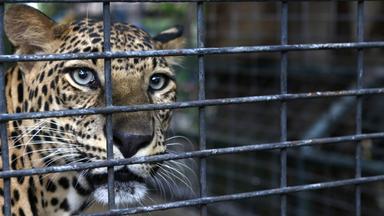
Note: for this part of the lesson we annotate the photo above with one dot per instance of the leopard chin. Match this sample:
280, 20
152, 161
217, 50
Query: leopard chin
125, 192
128, 187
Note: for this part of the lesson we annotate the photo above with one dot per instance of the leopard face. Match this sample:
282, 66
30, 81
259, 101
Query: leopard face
78, 84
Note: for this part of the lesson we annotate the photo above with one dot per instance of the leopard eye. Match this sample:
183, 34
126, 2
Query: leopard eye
83, 76
158, 82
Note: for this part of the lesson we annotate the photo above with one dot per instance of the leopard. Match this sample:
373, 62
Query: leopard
73, 84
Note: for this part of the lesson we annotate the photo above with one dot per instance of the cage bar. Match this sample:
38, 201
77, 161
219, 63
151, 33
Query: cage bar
108, 101
359, 102
283, 106
202, 123
189, 104
191, 154
194, 52
3, 125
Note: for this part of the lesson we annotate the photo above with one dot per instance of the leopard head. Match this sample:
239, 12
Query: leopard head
79, 84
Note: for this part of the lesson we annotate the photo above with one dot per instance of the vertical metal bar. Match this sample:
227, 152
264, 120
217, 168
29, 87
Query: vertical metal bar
202, 126
3, 125
108, 101
283, 107
359, 102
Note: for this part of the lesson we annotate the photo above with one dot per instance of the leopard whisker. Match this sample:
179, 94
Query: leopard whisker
178, 175
47, 142
174, 144
36, 151
23, 134
164, 182
29, 141
160, 181
182, 165
156, 182
59, 158
180, 137
48, 136
50, 129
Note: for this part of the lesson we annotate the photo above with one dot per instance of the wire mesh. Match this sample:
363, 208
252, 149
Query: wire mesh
200, 51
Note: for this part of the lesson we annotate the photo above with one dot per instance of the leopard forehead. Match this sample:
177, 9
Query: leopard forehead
124, 37
87, 36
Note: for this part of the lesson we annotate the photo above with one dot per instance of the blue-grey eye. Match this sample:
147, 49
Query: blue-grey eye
158, 82
83, 76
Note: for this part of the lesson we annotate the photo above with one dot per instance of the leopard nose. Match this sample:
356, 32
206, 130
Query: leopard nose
129, 144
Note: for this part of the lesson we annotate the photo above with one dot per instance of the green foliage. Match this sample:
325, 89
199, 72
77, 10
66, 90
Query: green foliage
174, 9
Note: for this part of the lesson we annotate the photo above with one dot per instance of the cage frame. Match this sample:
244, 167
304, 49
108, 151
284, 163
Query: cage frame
201, 103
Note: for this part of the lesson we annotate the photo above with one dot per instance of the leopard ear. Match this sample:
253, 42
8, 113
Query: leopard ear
171, 39
29, 30
26, 26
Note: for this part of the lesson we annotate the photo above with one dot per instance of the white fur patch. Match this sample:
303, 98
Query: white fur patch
74, 199
125, 193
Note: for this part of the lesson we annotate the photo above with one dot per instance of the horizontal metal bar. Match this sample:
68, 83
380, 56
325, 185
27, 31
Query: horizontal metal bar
189, 104
192, 154
193, 52
247, 195
85, 1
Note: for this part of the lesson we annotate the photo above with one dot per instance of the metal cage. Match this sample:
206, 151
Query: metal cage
200, 52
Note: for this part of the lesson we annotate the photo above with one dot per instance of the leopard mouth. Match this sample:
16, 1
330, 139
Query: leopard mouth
128, 187
122, 175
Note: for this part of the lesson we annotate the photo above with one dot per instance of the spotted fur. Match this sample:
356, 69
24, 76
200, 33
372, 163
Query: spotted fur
51, 85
